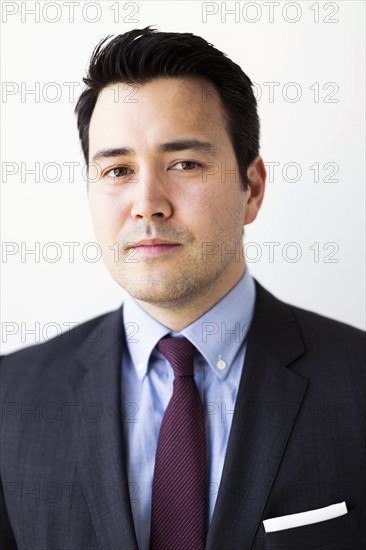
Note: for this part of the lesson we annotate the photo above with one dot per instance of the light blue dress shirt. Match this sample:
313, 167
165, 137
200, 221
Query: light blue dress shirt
147, 385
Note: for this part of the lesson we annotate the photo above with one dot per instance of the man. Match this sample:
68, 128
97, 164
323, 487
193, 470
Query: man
205, 406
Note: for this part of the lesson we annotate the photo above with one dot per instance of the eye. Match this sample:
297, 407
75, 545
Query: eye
186, 165
117, 172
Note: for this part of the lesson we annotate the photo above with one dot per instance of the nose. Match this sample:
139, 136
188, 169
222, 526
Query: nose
150, 200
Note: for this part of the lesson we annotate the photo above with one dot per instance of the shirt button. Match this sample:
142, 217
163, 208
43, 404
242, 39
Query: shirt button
140, 367
221, 364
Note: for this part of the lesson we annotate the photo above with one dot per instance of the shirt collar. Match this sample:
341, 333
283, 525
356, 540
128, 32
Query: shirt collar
218, 335
142, 332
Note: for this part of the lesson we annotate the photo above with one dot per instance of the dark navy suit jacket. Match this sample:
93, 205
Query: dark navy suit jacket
297, 441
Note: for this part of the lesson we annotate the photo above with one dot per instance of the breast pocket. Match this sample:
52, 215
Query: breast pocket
342, 533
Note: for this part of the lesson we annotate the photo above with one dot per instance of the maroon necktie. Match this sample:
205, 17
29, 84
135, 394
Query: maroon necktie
178, 492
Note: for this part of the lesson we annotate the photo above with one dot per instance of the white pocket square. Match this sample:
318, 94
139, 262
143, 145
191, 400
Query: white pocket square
305, 518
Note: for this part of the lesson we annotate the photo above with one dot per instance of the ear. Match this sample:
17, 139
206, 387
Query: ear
256, 174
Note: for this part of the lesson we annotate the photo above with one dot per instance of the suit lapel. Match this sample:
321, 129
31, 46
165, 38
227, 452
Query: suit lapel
269, 398
97, 434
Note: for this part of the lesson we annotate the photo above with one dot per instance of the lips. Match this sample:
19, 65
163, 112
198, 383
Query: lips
153, 247
152, 242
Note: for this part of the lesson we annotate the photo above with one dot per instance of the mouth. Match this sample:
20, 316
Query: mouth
153, 247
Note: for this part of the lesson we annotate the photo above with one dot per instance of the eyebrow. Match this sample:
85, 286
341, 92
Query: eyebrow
169, 147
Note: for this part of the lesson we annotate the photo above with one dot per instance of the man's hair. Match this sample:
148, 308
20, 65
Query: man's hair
140, 55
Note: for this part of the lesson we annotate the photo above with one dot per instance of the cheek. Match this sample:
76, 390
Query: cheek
215, 207
202, 217
223, 215
107, 215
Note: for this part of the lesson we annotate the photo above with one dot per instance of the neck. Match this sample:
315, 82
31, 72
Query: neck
179, 314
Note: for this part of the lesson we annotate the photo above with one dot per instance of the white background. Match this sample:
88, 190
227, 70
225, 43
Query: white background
325, 125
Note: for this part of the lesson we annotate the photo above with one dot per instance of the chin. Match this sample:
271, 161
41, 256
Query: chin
162, 292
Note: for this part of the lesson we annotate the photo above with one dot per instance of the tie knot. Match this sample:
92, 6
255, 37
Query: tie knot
179, 352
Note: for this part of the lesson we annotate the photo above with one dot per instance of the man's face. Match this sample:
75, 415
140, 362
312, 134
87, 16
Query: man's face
173, 185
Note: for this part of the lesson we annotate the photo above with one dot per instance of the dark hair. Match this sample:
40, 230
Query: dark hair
138, 56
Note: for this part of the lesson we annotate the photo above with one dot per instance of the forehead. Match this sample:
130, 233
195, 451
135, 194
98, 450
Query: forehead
162, 107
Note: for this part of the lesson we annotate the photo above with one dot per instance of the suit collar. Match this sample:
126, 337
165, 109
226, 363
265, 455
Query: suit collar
98, 337
274, 326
